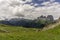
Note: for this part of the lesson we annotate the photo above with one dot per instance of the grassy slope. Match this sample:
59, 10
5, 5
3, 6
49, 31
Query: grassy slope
20, 33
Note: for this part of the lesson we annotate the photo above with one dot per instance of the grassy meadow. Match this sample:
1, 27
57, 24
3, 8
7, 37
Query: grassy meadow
21, 33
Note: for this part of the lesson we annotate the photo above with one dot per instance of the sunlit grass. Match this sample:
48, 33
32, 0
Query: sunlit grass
21, 33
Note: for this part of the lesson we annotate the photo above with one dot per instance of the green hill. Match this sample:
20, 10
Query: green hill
20, 33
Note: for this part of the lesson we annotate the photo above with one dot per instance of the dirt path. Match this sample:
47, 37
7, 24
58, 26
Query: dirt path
51, 26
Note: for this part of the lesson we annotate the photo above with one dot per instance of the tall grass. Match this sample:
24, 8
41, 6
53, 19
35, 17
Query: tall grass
20, 33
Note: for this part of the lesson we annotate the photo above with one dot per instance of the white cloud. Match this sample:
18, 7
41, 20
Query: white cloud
9, 8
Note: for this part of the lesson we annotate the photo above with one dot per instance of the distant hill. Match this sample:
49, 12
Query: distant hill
52, 26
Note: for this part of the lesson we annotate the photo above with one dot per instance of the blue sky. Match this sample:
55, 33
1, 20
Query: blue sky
57, 0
